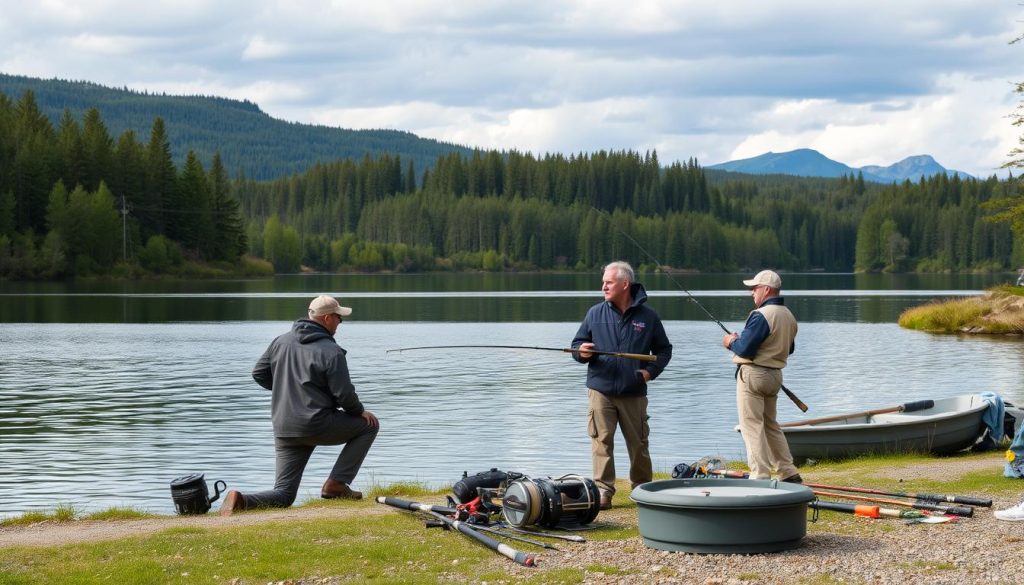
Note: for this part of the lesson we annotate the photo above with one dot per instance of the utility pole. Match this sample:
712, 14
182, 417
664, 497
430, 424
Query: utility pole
124, 229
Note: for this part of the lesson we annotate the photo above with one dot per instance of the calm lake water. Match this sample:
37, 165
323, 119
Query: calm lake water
110, 390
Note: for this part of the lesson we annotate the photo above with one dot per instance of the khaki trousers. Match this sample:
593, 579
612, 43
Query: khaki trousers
757, 394
629, 412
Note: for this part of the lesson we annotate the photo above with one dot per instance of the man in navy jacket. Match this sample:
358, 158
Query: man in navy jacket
617, 387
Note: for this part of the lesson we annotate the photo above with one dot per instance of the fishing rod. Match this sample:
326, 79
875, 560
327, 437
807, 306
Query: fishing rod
870, 511
498, 532
965, 511
631, 356
525, 559
967, 500
925, 501
569, 537
799, 403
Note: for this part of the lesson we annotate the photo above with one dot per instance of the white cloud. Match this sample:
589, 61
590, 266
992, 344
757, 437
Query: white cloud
261, 48
868, 83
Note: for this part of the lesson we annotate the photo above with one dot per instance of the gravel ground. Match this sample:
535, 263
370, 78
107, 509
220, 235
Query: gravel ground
839, 548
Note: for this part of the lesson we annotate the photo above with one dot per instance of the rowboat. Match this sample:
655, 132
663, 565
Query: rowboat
947, 426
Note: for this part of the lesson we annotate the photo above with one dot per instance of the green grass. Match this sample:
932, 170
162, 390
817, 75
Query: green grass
997, 312
391, 546
62, 513
117, 513
943, 316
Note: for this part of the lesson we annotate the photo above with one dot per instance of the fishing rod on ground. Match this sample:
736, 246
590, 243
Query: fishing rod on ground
964, 511
928, 498
525, 559
799, 403
951, 499
920, 505
631, 356
864, 511
499, 532
568, 537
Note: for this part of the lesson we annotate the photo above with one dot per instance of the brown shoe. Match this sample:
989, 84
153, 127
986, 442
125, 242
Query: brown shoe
335, 489
606, 500
234, 501
794, 479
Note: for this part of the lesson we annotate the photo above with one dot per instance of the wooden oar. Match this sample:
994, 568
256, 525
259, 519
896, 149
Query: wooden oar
965, 511
632, 356
908, 407
967, 500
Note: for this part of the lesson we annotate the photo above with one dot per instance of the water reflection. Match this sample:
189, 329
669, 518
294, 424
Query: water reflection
97, 415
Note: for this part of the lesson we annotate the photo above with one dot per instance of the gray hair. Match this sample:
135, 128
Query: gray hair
622, 269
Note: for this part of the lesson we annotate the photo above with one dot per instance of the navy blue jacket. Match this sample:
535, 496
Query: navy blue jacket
639, 330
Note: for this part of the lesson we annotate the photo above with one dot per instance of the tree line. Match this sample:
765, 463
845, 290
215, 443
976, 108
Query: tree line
73, 201
495, 211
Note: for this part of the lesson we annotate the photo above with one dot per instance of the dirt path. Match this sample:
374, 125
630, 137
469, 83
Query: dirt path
50, 533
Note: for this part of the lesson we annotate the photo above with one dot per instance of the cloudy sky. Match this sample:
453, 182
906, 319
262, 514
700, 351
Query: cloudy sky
867, 82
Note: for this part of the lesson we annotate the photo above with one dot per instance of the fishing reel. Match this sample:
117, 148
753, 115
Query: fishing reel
703, 467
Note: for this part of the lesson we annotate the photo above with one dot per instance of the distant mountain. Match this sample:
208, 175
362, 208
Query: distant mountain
806, 162
249, 140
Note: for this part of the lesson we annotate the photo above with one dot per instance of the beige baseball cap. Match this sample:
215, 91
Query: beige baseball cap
325, 305
765, 278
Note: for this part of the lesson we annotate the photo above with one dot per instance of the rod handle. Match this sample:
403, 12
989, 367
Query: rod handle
966, 500
964, 511
799, 403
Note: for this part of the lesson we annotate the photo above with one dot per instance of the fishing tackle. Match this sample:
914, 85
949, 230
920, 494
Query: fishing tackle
632, 356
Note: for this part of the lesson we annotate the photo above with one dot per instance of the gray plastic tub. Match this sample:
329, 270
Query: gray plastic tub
722, 515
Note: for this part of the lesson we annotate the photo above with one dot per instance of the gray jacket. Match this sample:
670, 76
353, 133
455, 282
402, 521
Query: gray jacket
307, 374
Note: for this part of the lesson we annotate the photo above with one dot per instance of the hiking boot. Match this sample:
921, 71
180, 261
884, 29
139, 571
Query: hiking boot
606, 500
335, 489
1014, 514
234, 501
794, 479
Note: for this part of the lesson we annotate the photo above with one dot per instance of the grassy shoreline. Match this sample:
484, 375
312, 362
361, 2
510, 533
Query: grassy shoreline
1000, 311
338, 542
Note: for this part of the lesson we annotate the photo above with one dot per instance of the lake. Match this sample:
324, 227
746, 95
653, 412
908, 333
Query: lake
109, 390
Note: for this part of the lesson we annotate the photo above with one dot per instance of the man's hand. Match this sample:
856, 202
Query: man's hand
728, 339
583, 350
370, 418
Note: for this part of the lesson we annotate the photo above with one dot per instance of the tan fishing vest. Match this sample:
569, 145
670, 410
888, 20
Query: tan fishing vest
774, 350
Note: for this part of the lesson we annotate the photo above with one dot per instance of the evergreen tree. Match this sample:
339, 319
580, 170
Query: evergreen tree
228, 229
160, 186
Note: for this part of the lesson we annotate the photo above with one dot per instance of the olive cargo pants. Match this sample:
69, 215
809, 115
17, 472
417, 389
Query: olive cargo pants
629, 412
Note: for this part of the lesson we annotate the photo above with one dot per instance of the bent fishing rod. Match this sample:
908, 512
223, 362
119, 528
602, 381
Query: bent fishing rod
799, 403
631, 356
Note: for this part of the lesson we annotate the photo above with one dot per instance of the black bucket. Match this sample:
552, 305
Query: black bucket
191, 496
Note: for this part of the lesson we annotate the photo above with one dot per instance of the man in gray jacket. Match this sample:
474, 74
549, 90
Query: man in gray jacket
313, 402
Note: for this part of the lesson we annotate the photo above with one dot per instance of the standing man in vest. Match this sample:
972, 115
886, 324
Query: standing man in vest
762, 349
617, 387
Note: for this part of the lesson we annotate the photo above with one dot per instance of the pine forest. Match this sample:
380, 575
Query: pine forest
76, 201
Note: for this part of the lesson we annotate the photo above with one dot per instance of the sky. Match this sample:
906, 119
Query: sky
869, 82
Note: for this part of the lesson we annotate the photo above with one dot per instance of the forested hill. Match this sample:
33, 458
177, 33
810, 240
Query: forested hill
248, 140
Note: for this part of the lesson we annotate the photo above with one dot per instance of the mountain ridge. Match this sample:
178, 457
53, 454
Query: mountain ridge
807, 162
249, 140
